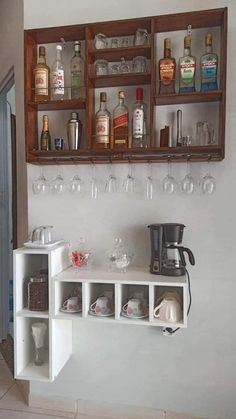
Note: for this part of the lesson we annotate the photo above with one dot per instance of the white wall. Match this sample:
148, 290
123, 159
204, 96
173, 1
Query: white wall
12, 58
195, 370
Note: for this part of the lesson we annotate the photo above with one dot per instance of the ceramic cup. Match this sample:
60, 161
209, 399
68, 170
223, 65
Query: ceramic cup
102, 306
169, 310
71, 304
134, 308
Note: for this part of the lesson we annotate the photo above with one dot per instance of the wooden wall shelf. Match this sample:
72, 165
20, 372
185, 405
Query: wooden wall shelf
156, 26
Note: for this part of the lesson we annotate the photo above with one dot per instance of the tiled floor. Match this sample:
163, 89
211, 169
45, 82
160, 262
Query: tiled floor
13, 406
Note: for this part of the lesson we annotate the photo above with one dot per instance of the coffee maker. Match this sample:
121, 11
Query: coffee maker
167, 254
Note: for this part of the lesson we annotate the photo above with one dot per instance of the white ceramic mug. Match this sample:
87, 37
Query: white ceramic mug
134, 308
169, 294
169, 310
102, 306
71, 304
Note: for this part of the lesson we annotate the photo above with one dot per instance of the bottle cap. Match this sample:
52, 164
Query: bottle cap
45, 117
208, 39
77, 45
187, 41
139, 93
42, 51
103, 97
167, 43
74, 115
59, 48
121, 94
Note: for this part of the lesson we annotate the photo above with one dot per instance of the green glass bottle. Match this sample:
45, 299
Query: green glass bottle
187, 68
45, 139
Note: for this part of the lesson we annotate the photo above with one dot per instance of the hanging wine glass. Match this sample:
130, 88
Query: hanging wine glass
129, 182
149, 183
40, 185
169, 184
188, 184
76, 185
94, 183
58, 185
208, 182
111, 185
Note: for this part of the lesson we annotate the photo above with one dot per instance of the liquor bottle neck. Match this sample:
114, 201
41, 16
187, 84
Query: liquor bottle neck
58, 55
103, 106
121, 101
45, 126
208, 49
41, 60
187, 51
167, 53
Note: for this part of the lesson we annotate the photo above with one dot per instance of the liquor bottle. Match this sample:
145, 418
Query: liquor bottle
102, 124
167, 67
209, 65
41, 74
58, 76
121, 123
77, 74
187, 68
139, 117
45, 139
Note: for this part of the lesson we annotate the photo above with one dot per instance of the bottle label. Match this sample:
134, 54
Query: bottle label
167, 73
76, 79
58, 82
209, 68
102, 129
121, 120
41, 82
138, 123
187, 70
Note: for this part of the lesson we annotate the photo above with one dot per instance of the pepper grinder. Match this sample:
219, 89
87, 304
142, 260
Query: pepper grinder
74, 131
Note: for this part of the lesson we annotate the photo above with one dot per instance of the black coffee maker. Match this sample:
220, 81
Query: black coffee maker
167, 254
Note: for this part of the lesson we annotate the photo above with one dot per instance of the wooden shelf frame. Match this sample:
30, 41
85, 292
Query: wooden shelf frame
121, 28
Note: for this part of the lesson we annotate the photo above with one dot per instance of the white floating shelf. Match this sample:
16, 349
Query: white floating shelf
132, 276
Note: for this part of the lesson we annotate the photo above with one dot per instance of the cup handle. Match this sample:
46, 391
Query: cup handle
64, 305
92, 307
124, 308
155, 311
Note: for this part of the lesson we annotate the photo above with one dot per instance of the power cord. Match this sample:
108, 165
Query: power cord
169, 329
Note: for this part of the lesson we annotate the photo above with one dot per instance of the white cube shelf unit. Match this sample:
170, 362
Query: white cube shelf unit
97, 281
28, 262
64, 279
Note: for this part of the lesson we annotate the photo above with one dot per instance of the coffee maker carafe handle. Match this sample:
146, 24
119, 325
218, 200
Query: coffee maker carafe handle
190, 255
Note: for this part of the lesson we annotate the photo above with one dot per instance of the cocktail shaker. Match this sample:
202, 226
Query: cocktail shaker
74, 131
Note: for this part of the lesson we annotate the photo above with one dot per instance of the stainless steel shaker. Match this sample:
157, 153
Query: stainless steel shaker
74, 131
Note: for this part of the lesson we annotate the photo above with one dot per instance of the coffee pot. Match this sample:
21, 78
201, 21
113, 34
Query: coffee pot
167, 253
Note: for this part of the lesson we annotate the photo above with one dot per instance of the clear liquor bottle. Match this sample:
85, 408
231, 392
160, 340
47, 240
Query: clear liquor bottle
102, 124
41, 74
139, 119
58, 76
167, 67
187, 68
121, 123
77, 73
209, 66
45, 138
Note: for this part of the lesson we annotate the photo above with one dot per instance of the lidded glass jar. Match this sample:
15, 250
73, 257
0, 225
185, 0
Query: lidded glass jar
80, 255
119, 257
